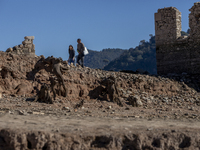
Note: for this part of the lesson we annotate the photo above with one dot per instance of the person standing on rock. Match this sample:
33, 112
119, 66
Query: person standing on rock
71, 55
80, 49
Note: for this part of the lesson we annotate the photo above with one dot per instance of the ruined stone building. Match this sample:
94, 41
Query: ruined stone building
27, 47
176, 53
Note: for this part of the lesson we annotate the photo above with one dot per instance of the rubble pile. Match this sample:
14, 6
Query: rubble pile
25, 75
27, 47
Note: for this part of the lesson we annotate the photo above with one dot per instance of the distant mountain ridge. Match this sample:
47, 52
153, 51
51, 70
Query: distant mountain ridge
99, 59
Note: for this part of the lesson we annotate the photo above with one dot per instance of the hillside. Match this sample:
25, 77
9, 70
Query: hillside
141, 57
98, 59
155, 112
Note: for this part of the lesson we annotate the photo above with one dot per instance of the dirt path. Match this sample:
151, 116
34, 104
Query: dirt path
87, 124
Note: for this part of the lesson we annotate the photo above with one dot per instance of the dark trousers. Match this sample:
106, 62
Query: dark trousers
80, 58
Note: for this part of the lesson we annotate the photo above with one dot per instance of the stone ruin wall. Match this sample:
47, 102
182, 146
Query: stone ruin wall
27, 47
176, 53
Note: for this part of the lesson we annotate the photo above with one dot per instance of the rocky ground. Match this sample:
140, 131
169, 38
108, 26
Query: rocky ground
166, 114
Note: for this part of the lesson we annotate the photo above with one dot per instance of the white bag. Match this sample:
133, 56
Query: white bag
86, 51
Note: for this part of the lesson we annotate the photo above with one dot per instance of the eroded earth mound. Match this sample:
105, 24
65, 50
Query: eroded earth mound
102, 109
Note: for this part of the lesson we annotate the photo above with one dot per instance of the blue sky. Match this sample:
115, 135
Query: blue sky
99, 23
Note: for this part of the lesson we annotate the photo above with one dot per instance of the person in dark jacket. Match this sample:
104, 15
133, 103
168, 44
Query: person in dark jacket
80, 49
71, 55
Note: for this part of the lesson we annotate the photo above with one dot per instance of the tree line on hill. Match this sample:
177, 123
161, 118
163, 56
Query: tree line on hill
141, 57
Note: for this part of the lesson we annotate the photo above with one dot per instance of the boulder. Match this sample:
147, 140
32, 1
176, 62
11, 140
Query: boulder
135, 101
9, 49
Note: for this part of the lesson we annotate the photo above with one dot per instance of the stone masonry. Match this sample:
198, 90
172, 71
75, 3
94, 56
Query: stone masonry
27, 47
167, 25
176, 53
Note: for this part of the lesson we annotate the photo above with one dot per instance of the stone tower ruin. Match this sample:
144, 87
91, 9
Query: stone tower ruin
27, 47
176, 53
167, 25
